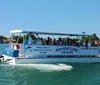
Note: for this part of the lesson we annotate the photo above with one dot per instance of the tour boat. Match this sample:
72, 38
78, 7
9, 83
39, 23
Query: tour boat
49, 47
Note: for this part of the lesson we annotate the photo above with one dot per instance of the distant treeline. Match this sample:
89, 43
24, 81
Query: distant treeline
3, 38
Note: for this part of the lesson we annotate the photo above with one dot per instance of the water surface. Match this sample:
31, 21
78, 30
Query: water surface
49, 74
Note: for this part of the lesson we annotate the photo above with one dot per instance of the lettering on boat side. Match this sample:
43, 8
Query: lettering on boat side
42, 49
66, 49
69, 52
61, 50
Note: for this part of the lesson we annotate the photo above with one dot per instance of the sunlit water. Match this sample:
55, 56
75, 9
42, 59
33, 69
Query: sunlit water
49, 74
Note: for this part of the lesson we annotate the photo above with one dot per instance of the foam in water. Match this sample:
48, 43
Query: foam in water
48, 67
45, 67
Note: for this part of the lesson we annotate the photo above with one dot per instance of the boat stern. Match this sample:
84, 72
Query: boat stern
9, 55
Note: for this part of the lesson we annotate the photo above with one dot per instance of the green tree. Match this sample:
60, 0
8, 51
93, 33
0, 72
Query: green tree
2, 38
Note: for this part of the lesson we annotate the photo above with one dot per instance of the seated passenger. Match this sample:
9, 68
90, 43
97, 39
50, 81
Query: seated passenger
26, 40
38, 42
89, 44
59, 41
48, 41
54, 42
30, 41
84, 44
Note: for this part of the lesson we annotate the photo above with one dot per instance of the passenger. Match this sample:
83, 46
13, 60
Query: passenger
78, 43
63, 42
44, 41
10, 40
48, 41
18, 46
11, 43
89, 44
38, 42
59, 41
69, 42
73, 42
84, 44
30, 41
26, 41
54, 42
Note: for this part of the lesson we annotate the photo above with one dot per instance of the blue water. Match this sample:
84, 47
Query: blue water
49, 74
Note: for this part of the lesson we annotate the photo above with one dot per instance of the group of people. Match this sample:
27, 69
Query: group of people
66, 41
32, 39
59, 41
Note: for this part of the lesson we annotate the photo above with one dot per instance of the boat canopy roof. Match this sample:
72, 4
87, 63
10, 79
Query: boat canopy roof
47, 33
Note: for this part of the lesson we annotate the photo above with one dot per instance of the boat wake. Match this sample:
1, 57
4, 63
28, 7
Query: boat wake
46, 67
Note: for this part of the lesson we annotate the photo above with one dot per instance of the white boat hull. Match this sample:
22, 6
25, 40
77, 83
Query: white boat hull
58, 60
11, 60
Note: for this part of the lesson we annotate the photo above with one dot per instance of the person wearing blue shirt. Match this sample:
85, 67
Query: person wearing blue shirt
26, 41
30, 40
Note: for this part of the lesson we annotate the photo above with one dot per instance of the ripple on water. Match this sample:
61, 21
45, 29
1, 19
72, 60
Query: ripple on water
16, 75
9, 75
